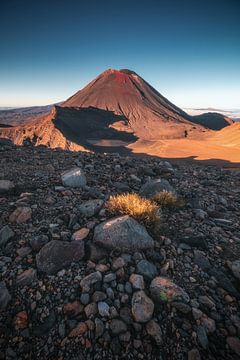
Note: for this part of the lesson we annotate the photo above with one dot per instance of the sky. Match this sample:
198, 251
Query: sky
188, 50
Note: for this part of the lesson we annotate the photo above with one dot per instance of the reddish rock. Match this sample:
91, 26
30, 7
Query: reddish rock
73, 308
21, 320
80, 234
21, 215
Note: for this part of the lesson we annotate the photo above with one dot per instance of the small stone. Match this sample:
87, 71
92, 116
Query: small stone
182, 307
118, 263
202, 337
236, 268
234, 344
99, 296
197, 314
194, 355
27, 277
80, 234
90, 208
146, 269
21, 215
85, 298
154, 330
137, 281
91, 310
142, 307
6, 234
103, 309
208, 323
6, 186
79, 330
5, 297
38, 242
74, 178
89, 280
126, 315
206, 301
152, 187
21, 320
164, 290
99, 328
118, 326
73, 309
109, 277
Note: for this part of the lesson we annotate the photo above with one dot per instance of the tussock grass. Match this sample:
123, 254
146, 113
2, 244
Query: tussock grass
166, 199
141, 209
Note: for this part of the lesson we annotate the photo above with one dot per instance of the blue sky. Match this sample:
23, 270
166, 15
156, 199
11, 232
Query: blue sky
188, 50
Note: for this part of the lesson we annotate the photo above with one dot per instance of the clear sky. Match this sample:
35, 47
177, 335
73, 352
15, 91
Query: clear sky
188, 50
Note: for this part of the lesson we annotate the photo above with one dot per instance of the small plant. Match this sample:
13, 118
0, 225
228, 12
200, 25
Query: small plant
166, 199
141, 209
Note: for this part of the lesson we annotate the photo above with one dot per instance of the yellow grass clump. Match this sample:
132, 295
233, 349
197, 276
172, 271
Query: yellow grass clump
166, 199
139, 208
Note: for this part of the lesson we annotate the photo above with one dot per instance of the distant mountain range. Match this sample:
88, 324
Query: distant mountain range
233, 114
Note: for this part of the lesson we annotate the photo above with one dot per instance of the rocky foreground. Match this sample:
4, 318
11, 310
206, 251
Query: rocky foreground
78, 284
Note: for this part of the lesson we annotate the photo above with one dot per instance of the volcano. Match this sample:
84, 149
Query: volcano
148, 114
119, 111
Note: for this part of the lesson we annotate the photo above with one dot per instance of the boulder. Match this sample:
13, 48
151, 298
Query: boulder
152, 187
90, 280
122, 233
142, 307
6, 234
74, 178
56, 255
91, 207
164, 290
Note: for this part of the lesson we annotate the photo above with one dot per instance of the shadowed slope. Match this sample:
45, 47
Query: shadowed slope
212, 120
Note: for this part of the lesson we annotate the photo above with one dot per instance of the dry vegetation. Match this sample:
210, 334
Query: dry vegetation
166, 199
139, 208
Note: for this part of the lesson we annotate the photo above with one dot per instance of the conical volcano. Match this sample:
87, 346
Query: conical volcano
147, 113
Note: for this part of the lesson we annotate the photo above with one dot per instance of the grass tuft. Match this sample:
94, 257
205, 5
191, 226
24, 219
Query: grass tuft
166, 199
141, 209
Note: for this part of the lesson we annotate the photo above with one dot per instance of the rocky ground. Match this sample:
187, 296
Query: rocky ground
76, 284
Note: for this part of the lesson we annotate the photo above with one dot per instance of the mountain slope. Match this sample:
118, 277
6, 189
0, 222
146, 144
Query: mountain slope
212, 120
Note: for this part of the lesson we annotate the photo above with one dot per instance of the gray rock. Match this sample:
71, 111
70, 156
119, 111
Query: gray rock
91, 207
235, 267
154, 330
103, 309
234, 344
6, 186
122, 233
85, 298
202, 337
142, 307
195, 241
194, 354
99, 328
98, 296
118, 326
5, 297
182, 307
56, 255
146, 269
137, 281
6, 234
201, 260
26, 277
38, 242
74, 178
153, 187
89, 280
164, 290
109, 277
